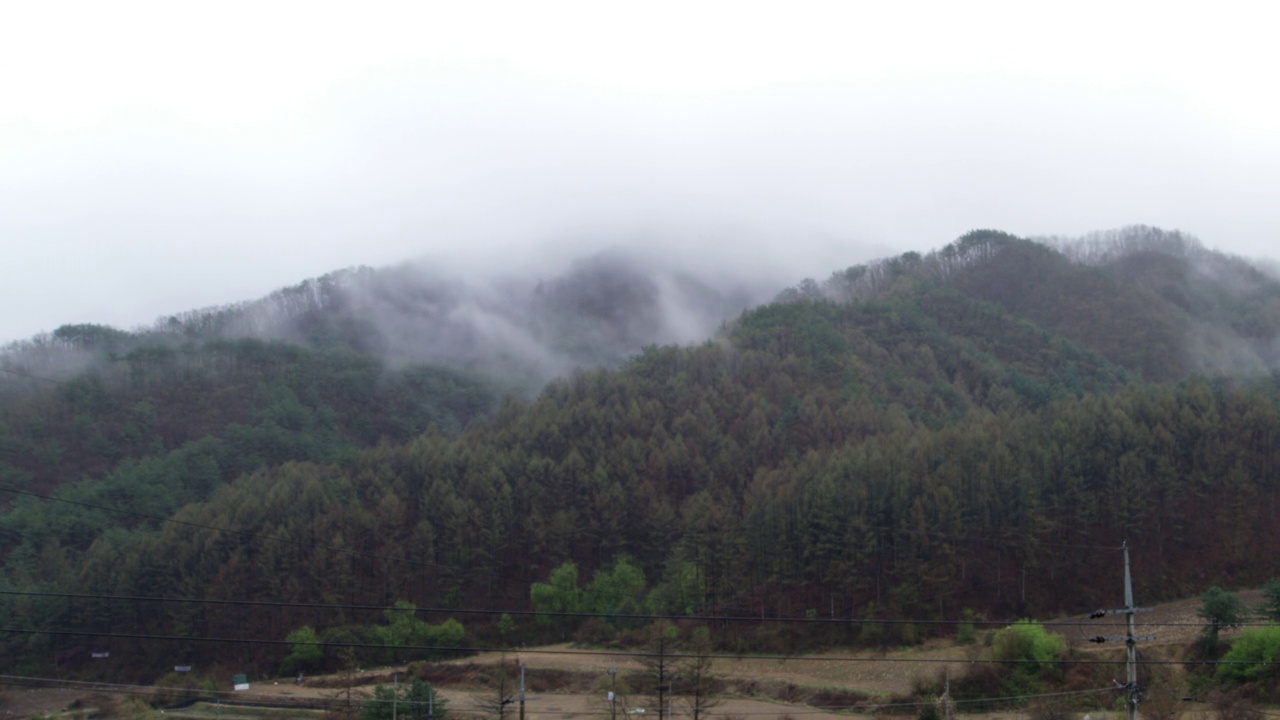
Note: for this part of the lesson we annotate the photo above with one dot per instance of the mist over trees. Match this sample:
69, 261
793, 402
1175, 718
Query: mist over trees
520, 331
910, 438
1156, 302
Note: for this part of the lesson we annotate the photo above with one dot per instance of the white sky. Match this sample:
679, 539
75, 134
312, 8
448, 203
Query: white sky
157, 157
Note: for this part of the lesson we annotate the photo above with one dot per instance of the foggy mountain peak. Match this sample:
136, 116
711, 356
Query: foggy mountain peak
596, 312
1155, 301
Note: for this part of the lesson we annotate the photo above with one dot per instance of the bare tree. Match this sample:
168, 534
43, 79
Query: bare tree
659, 663
613, 692
503, 695
347, 698
699, 684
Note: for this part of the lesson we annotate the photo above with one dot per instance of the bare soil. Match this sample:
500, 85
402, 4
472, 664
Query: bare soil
573, 682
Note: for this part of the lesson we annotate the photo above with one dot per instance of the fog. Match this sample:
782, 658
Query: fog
154, 161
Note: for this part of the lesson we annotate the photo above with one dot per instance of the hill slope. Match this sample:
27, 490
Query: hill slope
948, 433
1157, 303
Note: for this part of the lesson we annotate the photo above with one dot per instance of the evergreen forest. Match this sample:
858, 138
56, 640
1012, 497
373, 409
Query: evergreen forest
970, 432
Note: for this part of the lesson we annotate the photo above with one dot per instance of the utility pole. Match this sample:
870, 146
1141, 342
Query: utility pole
1131, 691
521, 691
1131, 678
613, 687
947, 705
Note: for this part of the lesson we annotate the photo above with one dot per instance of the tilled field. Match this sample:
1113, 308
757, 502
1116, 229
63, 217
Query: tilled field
569, 683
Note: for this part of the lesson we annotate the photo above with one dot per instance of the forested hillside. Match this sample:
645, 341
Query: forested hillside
226, 407
1155, 302
518, 331
909, 439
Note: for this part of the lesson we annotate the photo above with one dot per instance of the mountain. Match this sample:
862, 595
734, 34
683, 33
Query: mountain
1155, 302
334, 363
972, 428
518, 331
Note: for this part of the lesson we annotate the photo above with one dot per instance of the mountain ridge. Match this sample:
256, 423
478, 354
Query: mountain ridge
921, 448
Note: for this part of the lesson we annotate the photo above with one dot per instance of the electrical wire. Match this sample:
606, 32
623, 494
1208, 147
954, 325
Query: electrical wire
599, 653
245, 697
1233, 707
237, 697
588, 614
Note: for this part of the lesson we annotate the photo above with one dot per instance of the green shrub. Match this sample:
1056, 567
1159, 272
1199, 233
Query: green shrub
1033, 653
305, 652
1253, 656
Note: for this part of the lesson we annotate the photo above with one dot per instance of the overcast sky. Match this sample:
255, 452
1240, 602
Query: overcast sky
158, 157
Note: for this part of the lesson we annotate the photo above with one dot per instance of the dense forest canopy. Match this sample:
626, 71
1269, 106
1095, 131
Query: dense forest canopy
917, 437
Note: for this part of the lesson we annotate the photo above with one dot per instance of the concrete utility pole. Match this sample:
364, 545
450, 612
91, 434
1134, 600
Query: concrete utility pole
1131, 691
1131, 679
947, 705
613, 687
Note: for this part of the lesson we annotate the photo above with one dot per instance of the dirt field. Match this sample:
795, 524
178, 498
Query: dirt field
755, 682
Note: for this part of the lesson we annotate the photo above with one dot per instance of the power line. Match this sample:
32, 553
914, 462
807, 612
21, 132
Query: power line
236, 697
30, 681
601, 653
248, 698
574, 614
870, 706
1220, 703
